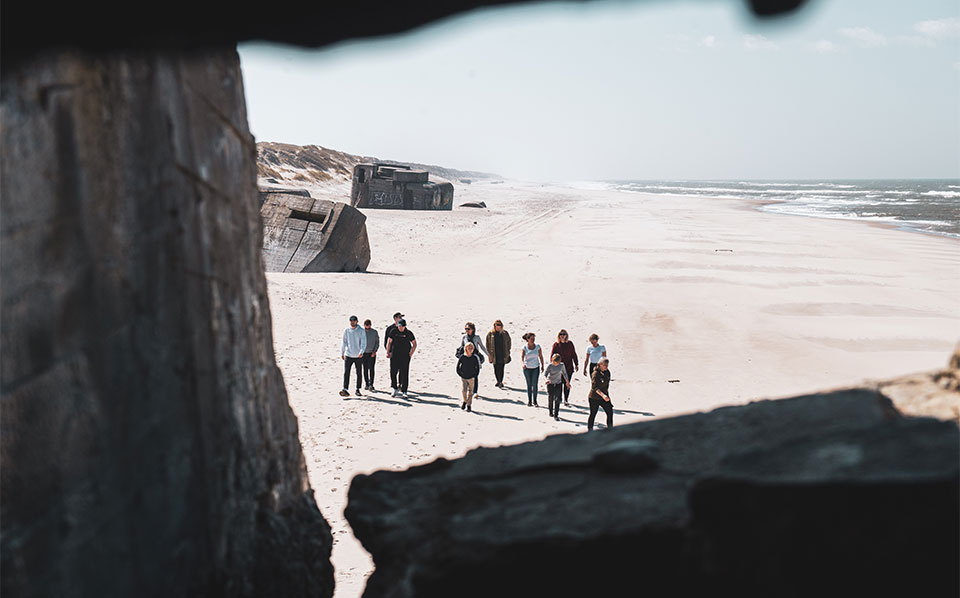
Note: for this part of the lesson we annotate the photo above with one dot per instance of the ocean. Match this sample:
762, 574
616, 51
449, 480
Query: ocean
927, 205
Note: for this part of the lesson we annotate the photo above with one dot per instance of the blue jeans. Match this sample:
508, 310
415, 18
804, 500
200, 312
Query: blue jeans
532, 375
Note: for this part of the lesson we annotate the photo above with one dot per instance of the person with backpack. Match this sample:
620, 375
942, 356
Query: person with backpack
468, 367
470, 336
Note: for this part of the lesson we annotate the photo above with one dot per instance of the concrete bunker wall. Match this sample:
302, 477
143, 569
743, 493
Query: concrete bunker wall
148, 448
398, 187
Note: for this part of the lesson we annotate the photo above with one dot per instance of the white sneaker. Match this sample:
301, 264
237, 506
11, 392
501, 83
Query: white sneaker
476, 397
404, 395
396, 392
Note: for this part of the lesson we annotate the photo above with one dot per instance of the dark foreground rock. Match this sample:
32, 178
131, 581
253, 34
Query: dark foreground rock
820, 495
147, 445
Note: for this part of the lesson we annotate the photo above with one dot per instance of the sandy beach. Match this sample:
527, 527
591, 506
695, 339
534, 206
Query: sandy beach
700, 303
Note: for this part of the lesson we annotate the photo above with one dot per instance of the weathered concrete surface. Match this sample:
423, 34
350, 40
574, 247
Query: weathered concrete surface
263, 194
147, 446
790, 497
302, 234
397, 187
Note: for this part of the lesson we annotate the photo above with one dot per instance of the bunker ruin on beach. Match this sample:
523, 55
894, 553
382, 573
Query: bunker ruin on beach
303, 234
398, 187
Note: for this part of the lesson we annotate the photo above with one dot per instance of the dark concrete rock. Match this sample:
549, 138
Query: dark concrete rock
629, 509
873, 511
473, 204
147, 445
630, 455
302, 234
107, 24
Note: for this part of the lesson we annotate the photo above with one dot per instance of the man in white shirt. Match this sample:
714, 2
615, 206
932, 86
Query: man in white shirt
351, 352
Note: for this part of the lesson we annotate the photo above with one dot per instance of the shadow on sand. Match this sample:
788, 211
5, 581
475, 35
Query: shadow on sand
378, 399
455, 403
586, 409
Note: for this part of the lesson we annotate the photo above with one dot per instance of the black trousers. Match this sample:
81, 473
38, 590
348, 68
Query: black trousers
596, 404
369, 365
593, 366
498, 372
553, 397
566, 391
347, 363
400, 371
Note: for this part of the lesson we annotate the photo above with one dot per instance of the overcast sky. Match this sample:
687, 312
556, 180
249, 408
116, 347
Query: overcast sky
653, 89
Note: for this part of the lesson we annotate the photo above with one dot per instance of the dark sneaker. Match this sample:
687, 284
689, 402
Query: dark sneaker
358, 392
464, 406
468, 409
344, 393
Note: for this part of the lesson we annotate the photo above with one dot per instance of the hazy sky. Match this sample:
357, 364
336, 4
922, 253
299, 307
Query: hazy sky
635, 90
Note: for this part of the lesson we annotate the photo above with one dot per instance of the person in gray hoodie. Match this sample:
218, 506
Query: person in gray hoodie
556, 376
351, 352
370, 354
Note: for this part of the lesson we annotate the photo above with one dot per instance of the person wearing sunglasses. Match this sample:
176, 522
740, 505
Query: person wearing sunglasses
568, 354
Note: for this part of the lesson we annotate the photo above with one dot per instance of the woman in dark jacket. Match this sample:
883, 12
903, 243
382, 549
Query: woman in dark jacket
468, 366
498, 350
600, 393
568, 354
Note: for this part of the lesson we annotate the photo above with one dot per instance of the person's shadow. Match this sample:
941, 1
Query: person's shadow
455, 404
377, 399
586, 408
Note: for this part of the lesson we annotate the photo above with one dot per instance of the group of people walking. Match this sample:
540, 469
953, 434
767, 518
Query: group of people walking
359, 351
558, 375
360, 346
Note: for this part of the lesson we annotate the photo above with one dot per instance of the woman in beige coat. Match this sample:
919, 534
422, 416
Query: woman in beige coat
498, 350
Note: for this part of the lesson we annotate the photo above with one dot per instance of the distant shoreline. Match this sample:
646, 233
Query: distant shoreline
927, 216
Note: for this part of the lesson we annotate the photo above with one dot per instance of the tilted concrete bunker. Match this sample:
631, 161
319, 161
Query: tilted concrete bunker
398, 187
303, 234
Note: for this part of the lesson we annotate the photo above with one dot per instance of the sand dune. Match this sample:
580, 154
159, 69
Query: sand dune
733, 303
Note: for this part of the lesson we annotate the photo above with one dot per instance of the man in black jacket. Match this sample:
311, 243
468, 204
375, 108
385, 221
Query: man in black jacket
400, 348
386, 337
